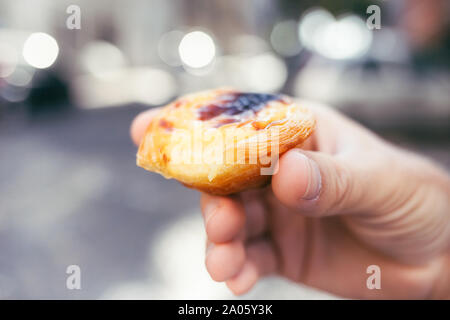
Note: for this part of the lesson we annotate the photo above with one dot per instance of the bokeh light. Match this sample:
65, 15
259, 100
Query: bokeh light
15, 94
265, 72
197, 49
21, 77
8, 59
40, 50
346, 38
153, 86
101, 57
168, 47
243, 44
284, 38
311, 24
147, 85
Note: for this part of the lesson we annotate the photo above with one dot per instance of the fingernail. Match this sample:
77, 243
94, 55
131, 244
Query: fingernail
314, 179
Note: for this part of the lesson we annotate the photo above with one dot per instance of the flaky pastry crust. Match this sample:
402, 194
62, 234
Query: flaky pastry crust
223, 141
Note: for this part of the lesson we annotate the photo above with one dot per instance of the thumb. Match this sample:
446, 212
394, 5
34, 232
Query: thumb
317, 184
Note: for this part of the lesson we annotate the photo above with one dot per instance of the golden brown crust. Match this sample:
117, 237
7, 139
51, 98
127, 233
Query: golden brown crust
218, 141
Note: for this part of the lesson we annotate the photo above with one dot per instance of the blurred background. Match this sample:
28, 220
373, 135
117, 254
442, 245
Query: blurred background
70, 192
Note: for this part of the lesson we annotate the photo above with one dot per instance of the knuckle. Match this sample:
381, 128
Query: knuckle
343, 187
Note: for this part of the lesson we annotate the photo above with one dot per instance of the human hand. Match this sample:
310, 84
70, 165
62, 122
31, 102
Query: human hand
346, 201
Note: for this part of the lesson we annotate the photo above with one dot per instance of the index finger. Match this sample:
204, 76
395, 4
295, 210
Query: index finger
140, 124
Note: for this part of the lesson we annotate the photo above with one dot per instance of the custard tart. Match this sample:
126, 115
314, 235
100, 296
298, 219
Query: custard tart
223, 141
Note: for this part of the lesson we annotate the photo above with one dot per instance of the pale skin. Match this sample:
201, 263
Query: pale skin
345, 201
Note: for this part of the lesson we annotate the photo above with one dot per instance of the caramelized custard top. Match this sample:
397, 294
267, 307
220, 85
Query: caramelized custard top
234, 105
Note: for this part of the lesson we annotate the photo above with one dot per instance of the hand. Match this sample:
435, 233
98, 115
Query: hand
345, 201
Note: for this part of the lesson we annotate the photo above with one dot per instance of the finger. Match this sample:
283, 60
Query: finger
223, 261
261, 261
256, 214
224, 217
140, 124
318, 184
